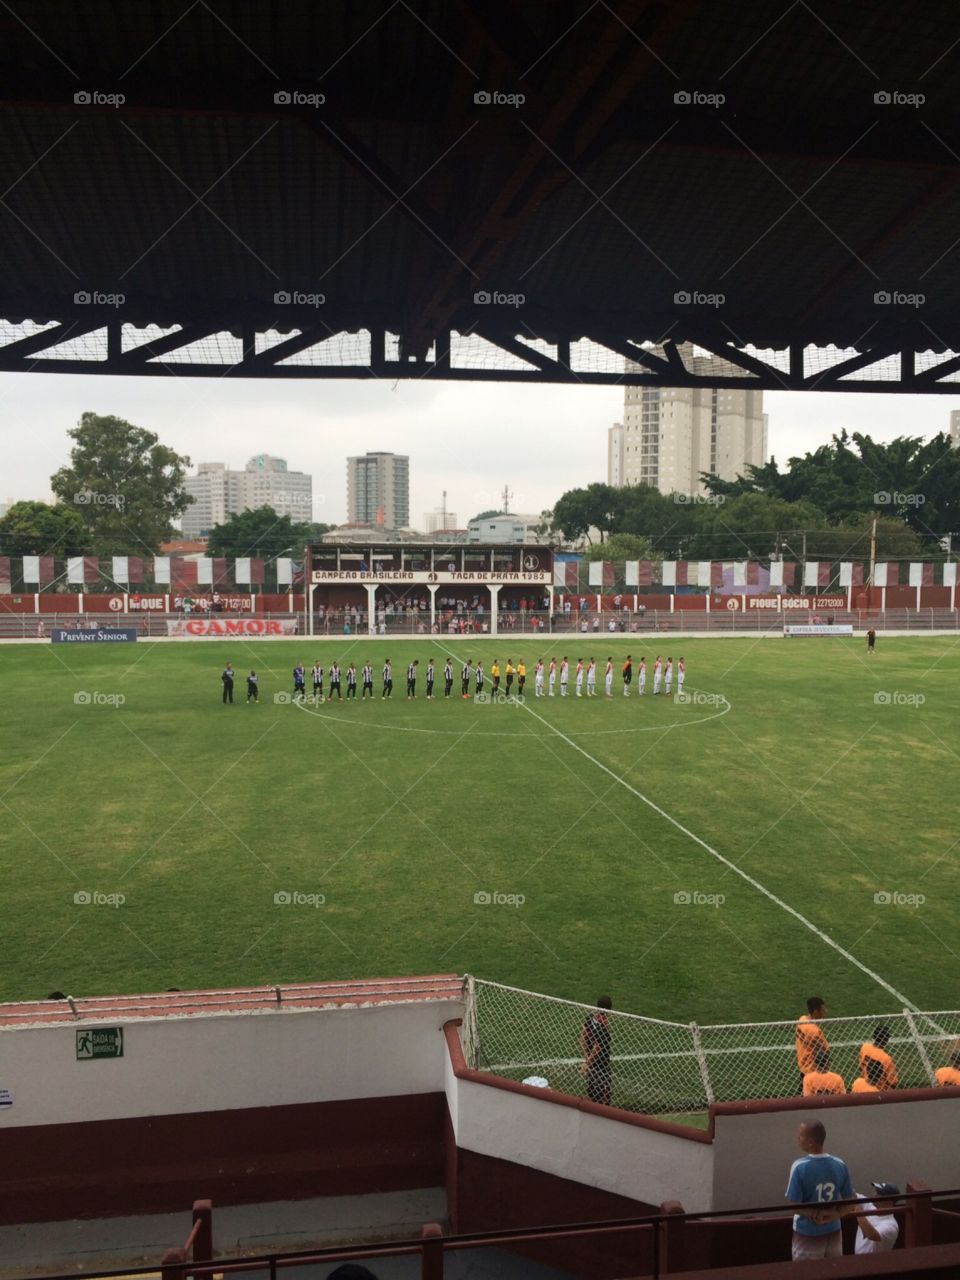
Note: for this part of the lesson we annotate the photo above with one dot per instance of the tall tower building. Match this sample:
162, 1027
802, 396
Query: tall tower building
669, 435
219, 493
955, 428
378, 490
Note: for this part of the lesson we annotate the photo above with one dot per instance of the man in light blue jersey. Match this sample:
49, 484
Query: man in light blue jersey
816, 1179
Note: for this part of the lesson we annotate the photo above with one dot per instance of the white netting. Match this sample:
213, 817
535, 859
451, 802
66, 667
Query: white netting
672, 1068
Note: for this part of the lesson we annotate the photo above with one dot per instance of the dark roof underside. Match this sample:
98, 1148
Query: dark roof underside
783, 185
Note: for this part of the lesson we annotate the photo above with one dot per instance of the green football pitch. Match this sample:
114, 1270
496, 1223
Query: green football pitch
792, 827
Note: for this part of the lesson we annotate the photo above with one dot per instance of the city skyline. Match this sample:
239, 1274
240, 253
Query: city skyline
467, 440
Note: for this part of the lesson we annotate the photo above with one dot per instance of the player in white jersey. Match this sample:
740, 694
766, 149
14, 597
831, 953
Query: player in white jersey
591, 679
681, 675
579, 677
668, 676
657, 674
553, 675
538, 678
642, 677
608, 679
564, 676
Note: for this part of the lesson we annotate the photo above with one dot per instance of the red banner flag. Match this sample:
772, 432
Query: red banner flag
135, 569
91, 568
5, 570
572, 574
823, 573
856, 576
683, 572
645, 573
927, 579
221, 576
183, 573
716, 574
47, 570
893, 573
256, 573
753, 573
609, 573
789, 573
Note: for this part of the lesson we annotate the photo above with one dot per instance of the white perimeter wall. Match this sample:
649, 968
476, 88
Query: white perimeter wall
882, 1143
219, 1063
626, 1159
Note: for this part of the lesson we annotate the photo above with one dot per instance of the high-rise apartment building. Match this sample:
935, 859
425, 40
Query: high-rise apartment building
955, 428
378, 490
669, 435
219, 493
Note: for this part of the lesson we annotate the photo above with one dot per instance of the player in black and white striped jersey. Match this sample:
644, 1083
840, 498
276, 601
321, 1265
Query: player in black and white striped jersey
366, 676
465, 673
412, 678
387, 679
335, 680
352, 682
431, 676
447, 678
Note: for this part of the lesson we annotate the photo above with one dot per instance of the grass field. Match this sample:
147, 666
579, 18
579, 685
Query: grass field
399, 813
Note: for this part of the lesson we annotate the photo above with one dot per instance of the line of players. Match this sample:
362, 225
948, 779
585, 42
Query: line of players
546, 678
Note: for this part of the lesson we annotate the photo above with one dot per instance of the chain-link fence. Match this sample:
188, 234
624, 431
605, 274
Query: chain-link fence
673, 1068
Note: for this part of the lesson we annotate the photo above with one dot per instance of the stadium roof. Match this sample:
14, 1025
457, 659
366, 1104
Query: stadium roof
745, 177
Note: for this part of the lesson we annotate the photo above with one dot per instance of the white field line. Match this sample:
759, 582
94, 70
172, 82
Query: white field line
714, 853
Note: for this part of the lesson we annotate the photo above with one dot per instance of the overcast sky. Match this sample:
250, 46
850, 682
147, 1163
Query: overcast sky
468, 438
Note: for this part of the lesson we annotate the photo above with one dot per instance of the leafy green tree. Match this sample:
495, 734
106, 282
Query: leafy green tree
260, 533
598, 506
487, 515
37, 528
624, 546
124, 484
752, 526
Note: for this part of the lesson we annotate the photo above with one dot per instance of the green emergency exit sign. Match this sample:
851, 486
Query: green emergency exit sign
100, 1042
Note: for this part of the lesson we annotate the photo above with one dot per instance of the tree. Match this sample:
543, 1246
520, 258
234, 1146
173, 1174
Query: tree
37, 528
597, 506
260, 533
752, 526
124, 484
624, 546
487, 515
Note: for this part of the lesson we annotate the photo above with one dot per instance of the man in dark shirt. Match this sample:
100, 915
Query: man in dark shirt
871, 640
227, 677
595, 1047
253, 687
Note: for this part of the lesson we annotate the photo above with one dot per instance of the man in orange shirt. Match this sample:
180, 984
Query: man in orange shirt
822, 1080
949, 1077
876, 1051
809, 1036
872, 1080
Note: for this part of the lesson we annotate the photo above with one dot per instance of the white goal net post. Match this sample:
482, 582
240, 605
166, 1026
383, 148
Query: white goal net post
671, 1068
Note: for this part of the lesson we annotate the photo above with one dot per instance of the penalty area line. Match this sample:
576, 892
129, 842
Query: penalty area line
714, 853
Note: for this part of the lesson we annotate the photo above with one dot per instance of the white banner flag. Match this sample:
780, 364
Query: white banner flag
31, 568
241, 570
75, 570
949, 574
916, 574
669, 573
595, 573
880, 573
776, 573
811, 573
739, 573
632, 578
121, 569
204, 572
161, 570
703, 573
559, 573
846, 573
284, 571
